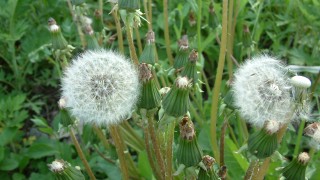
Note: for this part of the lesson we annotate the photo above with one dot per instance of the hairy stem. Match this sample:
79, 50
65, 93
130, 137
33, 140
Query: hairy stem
81, 155
136, 30
114, 132
217, 84
133, 53
166, 31
169, 151
229, 42
119, 32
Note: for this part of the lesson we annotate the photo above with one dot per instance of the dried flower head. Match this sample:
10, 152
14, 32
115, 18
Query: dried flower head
101, 87
304, 158
262, 91
57, 166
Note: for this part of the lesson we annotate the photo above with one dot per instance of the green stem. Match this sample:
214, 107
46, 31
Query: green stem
169, 151
119, 32
199, 17
166, 31
81, 155
133, 53
114, 132
229, 42
102, 137
299, 137
217, 84
138, 40
155, 143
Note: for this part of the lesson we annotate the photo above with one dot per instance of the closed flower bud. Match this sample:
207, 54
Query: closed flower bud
262, 91
150, 96
207, 171
190, 69
264, 142
189, 152
148, 53
92, 42
176, 102
246, 37
313, 131
64, 171
296, 169
58, 41
101, 87
183, 53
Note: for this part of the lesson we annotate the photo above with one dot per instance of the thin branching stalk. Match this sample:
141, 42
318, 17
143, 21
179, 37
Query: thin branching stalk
217, 84
233, 136
229, 41
169, 151
102, 137
132, 49
166, 31
103, 157
114, 132
119, 32
82, 38
137, 33
155, 143
81, 155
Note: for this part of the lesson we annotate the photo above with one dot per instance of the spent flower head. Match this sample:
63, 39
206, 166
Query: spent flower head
262, 91
101, 87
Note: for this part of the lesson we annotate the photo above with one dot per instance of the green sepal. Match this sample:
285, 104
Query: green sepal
294, 170
176, 102
181, 59
190, 71
207, 175
58, 41
150, 96
129, 5
189, 152
70, 173
92, 43
65, 118
148, 54
262, 144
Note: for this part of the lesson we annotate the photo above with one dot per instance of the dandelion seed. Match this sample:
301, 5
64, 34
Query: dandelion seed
101, 87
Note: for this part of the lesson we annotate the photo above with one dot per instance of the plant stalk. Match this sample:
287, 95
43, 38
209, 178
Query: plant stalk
81, 155
217, 84
166, 31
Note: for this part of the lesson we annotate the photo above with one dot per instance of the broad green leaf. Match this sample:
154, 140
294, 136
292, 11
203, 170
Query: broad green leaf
8, 164
144, 166
39, 150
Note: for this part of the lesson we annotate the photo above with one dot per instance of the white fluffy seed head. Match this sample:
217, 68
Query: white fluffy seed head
303, 158
56, 166
54, 28
182, 82
300, 82
101, 87
262, 90
272, 126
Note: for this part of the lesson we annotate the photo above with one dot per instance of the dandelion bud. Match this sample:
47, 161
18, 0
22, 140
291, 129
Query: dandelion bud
263, 143
58, 41
300, 82
163, 91
92, 42
190, 69
262, 91
206, 171
313, 131
101, 87
246, 37
183, 53
150, 96
62, 103
296, 169
189, 152
129, 5
148, 53
63, 170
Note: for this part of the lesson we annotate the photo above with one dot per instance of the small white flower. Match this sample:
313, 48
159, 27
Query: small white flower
262, 91
101, 87
272, 126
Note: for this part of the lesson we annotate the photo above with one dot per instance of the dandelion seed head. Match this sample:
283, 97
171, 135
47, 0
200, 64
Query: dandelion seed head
262, 90
101, 87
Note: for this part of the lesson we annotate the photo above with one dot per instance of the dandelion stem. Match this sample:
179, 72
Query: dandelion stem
138, 40
230, 42
119, 32
133, 53
199, 17
102, 137
217, 84
166, 31
114, 132
156, 146
81, 155
299, 137
170, 139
